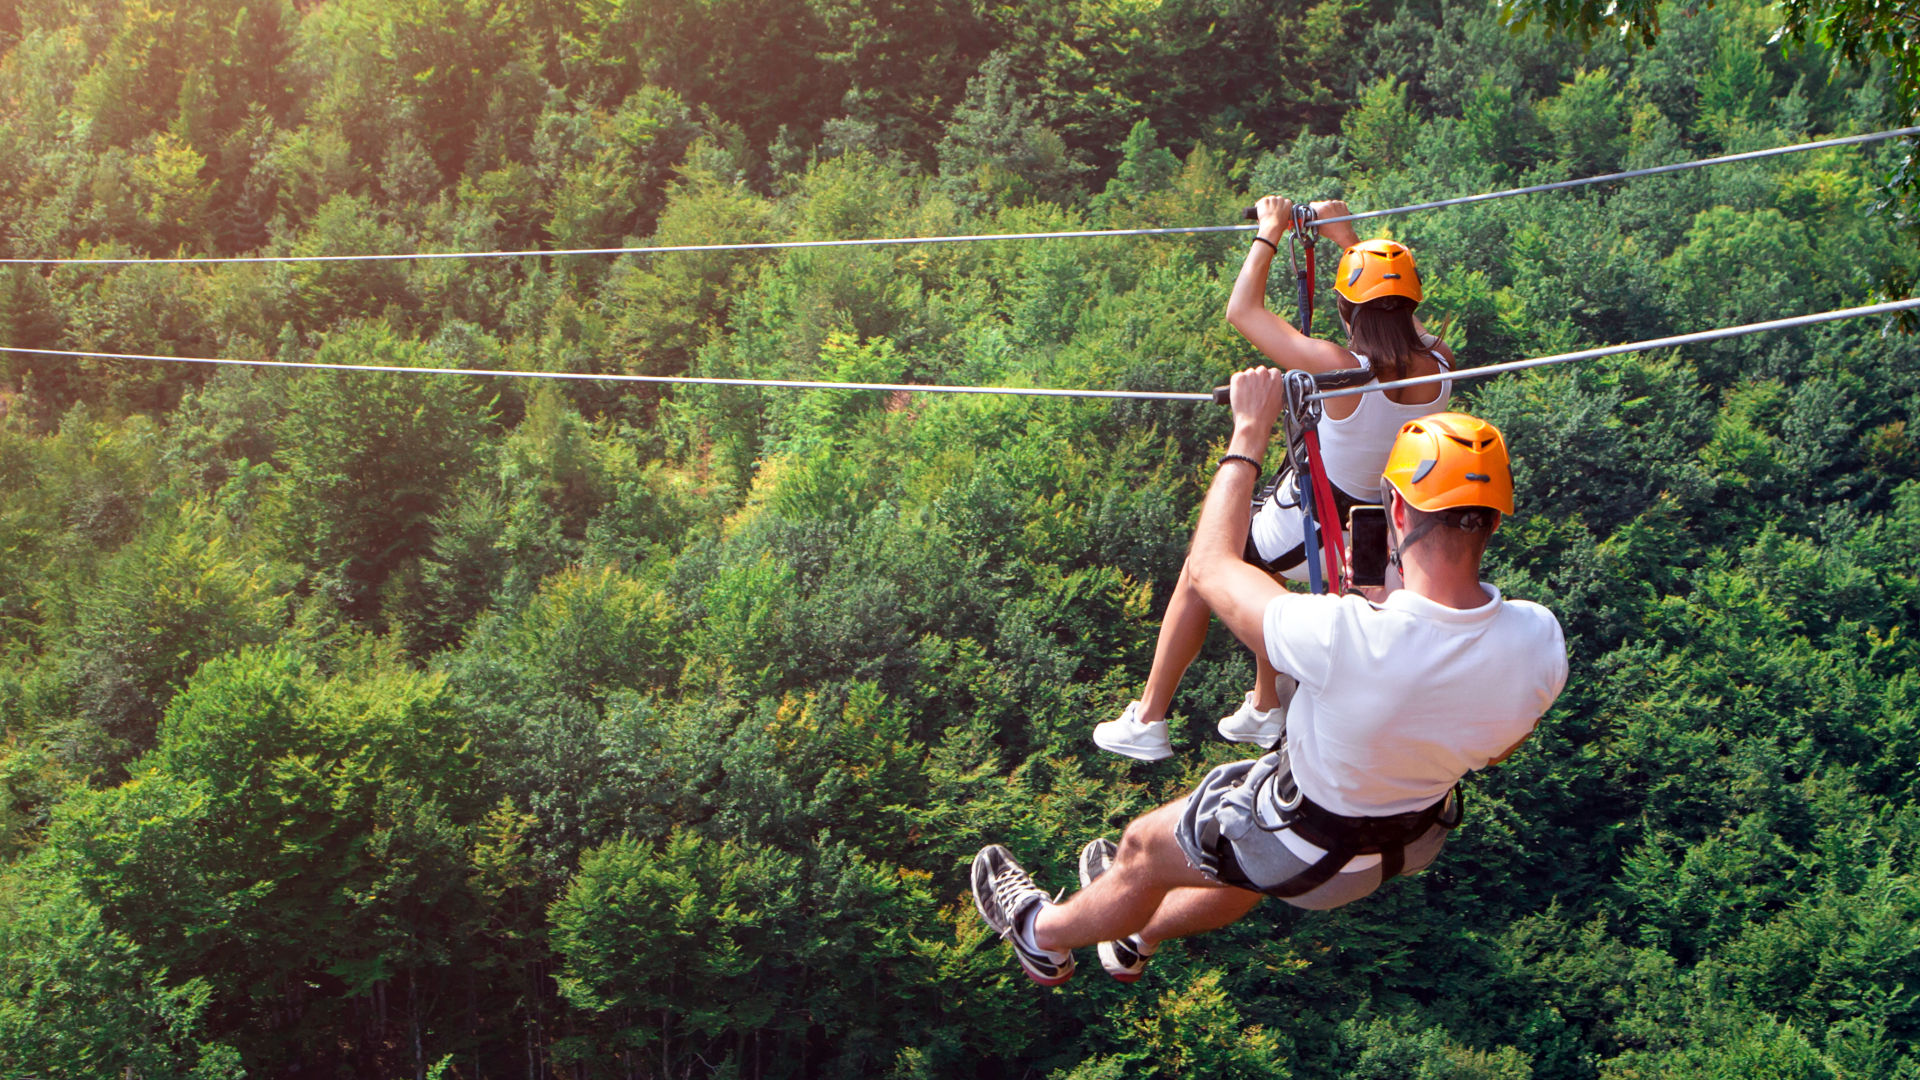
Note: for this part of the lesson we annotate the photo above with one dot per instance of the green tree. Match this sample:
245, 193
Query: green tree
82, 1000
706, 914
997, 148
292, 840
185, 591
1379, 130
1587, 122
1145, 167
368, 459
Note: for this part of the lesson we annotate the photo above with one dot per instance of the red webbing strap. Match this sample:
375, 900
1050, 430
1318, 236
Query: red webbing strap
1331, 542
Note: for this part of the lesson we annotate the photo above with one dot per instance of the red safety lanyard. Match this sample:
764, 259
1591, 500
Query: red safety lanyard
1332, 543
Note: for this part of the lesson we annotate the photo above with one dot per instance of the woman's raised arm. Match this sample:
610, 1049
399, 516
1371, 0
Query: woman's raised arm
1247, 312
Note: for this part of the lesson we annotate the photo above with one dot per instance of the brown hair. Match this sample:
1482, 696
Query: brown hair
1382, 331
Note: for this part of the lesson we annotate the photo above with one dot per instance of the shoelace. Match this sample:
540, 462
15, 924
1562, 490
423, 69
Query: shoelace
1009, 885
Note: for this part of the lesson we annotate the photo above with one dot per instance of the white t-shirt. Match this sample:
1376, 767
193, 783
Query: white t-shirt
1398, 701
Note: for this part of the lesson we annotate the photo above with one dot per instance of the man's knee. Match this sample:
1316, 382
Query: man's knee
1149, 837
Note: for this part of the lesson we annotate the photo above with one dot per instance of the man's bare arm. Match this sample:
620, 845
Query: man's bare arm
1237, 592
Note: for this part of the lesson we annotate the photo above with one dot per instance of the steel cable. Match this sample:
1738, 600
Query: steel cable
1910, 304
788, 245
1890, 307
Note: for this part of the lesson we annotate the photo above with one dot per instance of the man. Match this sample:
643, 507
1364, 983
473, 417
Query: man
1396, 702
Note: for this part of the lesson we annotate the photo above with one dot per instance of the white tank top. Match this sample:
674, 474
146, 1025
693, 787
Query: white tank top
1355, 450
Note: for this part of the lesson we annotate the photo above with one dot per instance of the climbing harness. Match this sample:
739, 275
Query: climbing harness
1305, 473
1300, 236
1279, 805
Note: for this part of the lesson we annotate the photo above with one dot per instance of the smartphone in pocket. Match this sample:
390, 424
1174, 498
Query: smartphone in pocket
1367, 530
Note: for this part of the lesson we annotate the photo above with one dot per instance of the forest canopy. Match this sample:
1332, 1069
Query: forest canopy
416, 725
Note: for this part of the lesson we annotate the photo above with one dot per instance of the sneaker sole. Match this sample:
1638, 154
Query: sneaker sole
1086, 871
1137, 753
1043, 980
1234, 736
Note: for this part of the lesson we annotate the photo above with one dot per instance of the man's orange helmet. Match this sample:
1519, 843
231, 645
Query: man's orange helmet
1372, 269
1447, 460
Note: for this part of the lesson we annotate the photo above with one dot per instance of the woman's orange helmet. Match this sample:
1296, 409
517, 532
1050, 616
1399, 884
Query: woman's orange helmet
1447, 460
1372, 269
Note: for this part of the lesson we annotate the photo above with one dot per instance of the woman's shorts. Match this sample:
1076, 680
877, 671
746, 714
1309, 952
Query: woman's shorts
1276, 535
1226, 833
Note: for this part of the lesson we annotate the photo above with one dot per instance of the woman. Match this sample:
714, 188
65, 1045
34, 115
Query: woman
1378, 290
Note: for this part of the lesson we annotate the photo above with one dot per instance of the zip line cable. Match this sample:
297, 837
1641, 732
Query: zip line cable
1910, 304
1630, 174
582, 376
787, 245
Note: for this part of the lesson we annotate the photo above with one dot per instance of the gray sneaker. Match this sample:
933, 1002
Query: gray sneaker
1122, 959
1003, 892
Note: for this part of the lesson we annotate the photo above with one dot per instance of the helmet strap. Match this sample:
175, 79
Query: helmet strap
1470, 521
1414, 535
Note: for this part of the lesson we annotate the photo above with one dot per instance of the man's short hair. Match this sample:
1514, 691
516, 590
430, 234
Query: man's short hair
1465, 529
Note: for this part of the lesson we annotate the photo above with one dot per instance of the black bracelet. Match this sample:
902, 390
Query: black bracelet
1255, 462
1269, 243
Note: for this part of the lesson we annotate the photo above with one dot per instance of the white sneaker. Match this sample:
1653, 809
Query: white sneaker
1128, 737
1251, 725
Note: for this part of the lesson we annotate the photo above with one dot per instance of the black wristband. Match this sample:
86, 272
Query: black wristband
1255, 462
1269, 243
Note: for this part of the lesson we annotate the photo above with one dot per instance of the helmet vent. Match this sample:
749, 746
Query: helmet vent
1482, 477
1425, 467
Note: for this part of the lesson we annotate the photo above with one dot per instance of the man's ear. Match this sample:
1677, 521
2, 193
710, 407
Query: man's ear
1396, 508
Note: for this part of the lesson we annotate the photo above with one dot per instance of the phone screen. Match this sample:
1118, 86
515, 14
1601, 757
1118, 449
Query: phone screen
1367, 525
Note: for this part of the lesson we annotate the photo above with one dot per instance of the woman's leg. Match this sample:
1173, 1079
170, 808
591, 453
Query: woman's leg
1183, 630
1265, 697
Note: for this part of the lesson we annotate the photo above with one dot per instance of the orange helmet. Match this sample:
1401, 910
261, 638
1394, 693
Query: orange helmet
1372, 269
1447, 460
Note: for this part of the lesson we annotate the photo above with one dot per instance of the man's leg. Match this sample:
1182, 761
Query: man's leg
1185, 912
1148, 866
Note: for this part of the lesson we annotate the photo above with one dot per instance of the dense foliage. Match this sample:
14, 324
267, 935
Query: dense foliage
373, 725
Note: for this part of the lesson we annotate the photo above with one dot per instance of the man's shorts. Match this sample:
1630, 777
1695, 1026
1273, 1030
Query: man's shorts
1228, 832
